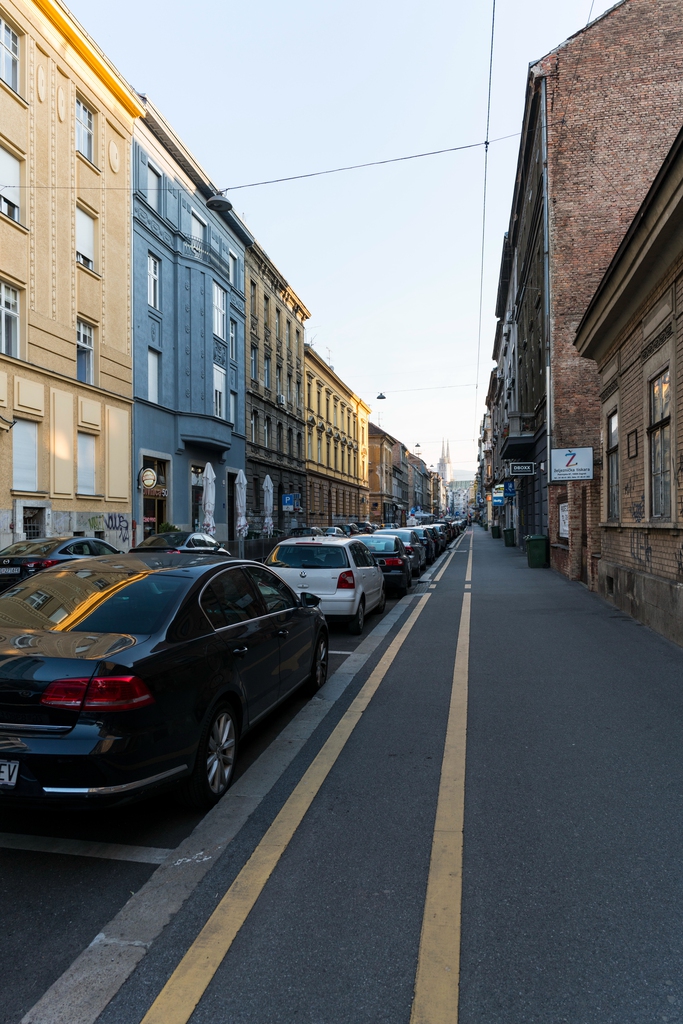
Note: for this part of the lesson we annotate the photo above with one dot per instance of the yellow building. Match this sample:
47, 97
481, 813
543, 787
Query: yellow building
66, 120
336, 447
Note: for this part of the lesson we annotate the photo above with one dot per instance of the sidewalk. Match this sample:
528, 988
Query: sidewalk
573, 873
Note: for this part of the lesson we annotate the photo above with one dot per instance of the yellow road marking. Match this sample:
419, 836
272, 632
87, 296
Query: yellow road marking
438, 967
468, 573
183, 990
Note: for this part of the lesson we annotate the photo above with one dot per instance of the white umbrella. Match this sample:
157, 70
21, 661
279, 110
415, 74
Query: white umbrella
209, 500
268, 506
241, 504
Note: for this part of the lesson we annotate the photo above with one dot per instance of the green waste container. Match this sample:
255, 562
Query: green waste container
509, 535
495, 531
537, 551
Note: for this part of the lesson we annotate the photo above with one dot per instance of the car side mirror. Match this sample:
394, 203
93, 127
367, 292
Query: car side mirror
309, 600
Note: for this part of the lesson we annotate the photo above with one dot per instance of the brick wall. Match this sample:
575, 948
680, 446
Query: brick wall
614, 107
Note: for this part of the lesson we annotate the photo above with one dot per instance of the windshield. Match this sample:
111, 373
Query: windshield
378, 543
105, 602
34, 547
308, 556
164, 540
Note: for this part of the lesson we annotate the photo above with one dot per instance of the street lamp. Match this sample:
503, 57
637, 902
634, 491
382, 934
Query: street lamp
381, 395
219, 203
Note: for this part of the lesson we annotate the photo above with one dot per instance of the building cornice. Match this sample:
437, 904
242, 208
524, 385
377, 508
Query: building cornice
81, 43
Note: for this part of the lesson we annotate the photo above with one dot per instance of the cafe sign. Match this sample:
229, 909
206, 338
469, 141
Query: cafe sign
148, 478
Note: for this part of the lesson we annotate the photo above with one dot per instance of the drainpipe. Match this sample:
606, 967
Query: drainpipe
546, 295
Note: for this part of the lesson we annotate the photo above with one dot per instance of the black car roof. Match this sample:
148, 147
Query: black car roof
150, 561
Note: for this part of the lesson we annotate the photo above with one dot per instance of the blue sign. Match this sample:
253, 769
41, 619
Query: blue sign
498, 495
291, 502
509, 486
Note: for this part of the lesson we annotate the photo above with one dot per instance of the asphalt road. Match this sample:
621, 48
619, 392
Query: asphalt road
52, 905
572, 878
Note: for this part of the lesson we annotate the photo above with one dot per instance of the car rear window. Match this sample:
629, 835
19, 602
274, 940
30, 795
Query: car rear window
308, 556
378, 543
33, 547
164, 540
97, 603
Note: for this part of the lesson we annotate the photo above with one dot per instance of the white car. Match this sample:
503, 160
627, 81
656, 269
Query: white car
339, 570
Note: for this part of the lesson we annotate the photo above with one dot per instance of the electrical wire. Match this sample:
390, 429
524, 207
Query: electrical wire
483, 215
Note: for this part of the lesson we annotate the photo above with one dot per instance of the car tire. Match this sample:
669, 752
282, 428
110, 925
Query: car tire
358, 621
318, 676
215, 761
382, 603
403, 589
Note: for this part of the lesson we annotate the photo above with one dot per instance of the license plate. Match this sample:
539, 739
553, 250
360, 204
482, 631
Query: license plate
9, 772
6, 572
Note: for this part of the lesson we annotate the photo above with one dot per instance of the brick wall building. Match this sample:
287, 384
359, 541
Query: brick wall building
634, 331
601, 112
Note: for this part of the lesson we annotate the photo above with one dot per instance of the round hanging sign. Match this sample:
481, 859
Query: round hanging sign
149, 478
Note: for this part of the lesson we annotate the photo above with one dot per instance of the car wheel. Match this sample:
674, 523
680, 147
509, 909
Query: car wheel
403, 589
318, 676
381, 605
358, 621
216, 753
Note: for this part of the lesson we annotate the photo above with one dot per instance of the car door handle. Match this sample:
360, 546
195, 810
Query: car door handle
239, 652
283, 632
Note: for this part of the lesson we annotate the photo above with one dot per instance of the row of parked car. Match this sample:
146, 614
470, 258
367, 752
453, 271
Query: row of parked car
124, 673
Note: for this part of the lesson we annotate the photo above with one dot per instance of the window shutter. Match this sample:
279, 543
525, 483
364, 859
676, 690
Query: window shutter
10, 177
85, 235
25, 456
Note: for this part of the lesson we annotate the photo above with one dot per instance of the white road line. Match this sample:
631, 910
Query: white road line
83, 848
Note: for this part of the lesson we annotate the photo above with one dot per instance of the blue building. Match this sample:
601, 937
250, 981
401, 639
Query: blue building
188, 336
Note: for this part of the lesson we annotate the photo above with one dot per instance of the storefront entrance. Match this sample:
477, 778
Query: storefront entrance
155, 499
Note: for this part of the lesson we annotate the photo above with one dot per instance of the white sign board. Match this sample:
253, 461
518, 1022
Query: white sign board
571, 464
564, 520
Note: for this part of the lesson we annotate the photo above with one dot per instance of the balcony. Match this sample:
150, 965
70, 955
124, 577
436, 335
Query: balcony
519, 437
195, 249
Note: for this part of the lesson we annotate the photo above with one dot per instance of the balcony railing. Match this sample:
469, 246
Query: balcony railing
195, 249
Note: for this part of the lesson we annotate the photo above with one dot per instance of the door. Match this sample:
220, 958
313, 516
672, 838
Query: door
371, 574
295, 627
249, 637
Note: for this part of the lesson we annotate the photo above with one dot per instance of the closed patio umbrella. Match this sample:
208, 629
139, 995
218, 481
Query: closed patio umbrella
241, 504
209, 500
268, 507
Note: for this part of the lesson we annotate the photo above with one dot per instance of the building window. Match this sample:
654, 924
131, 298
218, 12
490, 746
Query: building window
310, 403
85, 239
279, 437
335, 414
254, 362
153, 190
9, 320
310, 446
197, 230
660, 445
219, 390
288, 333
84, 130
613, 466
266, 432
298, 338
298, 446
233, 339
289, 387
10, 185
219, 307
266, 372
232, 411
266, 310
86, 464
254, 426
233, 266
152, 281
278, 379
290, 441
9, 56
320, 450
84, 352
320, 401
25, 456
252, 297
278, 325
153, 366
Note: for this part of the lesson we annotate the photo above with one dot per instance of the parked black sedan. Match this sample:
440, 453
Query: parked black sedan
26, 557
119, 675
182, 540
392, 558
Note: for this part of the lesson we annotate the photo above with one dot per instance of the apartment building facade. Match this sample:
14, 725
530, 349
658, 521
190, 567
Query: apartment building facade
274, 356
66, 123
337, 451
189, 337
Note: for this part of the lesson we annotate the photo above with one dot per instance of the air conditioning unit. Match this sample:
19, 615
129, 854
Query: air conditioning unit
281, 400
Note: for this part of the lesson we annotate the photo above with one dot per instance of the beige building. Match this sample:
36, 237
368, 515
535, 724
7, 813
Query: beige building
66, 120
336, 447
274, 390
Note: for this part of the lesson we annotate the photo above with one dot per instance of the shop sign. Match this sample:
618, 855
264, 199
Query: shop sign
509, 489
571, 464
148, 478
564, 520
522, 468
499, 494
155, 492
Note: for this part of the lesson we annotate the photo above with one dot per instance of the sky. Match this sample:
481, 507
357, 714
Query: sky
387, 259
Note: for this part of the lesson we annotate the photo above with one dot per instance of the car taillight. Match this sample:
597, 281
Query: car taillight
409, 549
103, 693
346, 581
42, 563
393, 561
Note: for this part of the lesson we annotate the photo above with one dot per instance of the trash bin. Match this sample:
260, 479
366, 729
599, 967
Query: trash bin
495, 531
509, 535
537, 551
